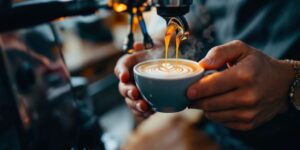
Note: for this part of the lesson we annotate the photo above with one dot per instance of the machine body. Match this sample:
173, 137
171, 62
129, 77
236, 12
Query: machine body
29, 14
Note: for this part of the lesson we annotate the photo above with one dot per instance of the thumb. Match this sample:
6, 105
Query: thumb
218, 56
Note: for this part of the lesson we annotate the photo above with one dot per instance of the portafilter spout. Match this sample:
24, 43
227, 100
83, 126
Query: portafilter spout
173, 11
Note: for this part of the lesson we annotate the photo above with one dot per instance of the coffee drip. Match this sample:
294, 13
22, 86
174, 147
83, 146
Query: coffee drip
174, 26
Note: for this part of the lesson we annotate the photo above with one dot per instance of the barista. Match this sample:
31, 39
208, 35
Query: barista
249, 102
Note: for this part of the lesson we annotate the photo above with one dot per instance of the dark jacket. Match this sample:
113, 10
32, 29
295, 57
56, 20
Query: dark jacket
273, 27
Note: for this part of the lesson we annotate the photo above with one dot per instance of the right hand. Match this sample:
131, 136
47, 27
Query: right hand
127, 88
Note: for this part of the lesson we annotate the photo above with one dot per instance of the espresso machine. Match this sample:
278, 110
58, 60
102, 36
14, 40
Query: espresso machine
28, 14
56, 118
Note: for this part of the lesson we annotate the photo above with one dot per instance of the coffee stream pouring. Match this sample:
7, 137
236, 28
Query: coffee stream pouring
21, 15
170, 10
176, 26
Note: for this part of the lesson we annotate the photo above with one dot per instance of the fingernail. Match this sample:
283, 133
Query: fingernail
139, 107
135, 94
192, 93
130, 94
123, 78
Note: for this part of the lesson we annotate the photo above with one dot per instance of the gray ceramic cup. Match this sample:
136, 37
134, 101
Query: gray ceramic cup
166, 95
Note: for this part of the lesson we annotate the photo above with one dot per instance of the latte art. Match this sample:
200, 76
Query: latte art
169, 69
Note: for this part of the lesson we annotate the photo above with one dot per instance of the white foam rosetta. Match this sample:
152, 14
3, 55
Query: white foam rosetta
168, 69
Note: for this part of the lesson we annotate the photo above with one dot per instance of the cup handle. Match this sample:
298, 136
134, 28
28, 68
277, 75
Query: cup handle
209, 72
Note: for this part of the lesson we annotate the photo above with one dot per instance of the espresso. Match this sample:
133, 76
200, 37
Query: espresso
173, 68
180, 35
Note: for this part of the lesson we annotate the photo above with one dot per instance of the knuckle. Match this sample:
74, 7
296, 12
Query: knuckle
130, 103
237, 43
121, 89
251, 99
250, 102
246, 75
116, 71
124, 59
249, 117
216, 51
120, 63
243, 77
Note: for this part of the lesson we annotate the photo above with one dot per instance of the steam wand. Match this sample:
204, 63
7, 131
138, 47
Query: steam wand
128, 44
148, 43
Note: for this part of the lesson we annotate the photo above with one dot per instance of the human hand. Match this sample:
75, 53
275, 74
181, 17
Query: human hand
127, 88
252, 91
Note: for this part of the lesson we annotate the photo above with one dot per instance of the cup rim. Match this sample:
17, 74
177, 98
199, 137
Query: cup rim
158, 78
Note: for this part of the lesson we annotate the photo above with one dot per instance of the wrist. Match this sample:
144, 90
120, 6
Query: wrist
287, 71
294, 90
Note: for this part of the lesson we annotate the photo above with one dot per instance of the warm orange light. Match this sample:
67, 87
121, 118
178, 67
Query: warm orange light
134, 10
135, 23
60, 19
119, 7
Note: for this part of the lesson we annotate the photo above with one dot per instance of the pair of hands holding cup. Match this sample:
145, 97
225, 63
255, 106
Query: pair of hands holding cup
250, 92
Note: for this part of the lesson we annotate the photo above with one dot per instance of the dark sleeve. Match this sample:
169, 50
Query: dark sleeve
272, 26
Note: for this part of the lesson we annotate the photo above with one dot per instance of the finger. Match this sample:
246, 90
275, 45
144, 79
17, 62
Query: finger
230, 100
211, 85
141, 114
143, 106
138, 46
128, 90
218, 56
235, 115
123, 66
240, 126
131, 104
148, 114
140, 105
137, 113
125, 63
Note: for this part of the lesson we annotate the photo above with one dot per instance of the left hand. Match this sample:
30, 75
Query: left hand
252, 91
127, 87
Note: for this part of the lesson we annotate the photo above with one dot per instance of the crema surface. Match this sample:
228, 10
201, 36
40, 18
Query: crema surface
169, 69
